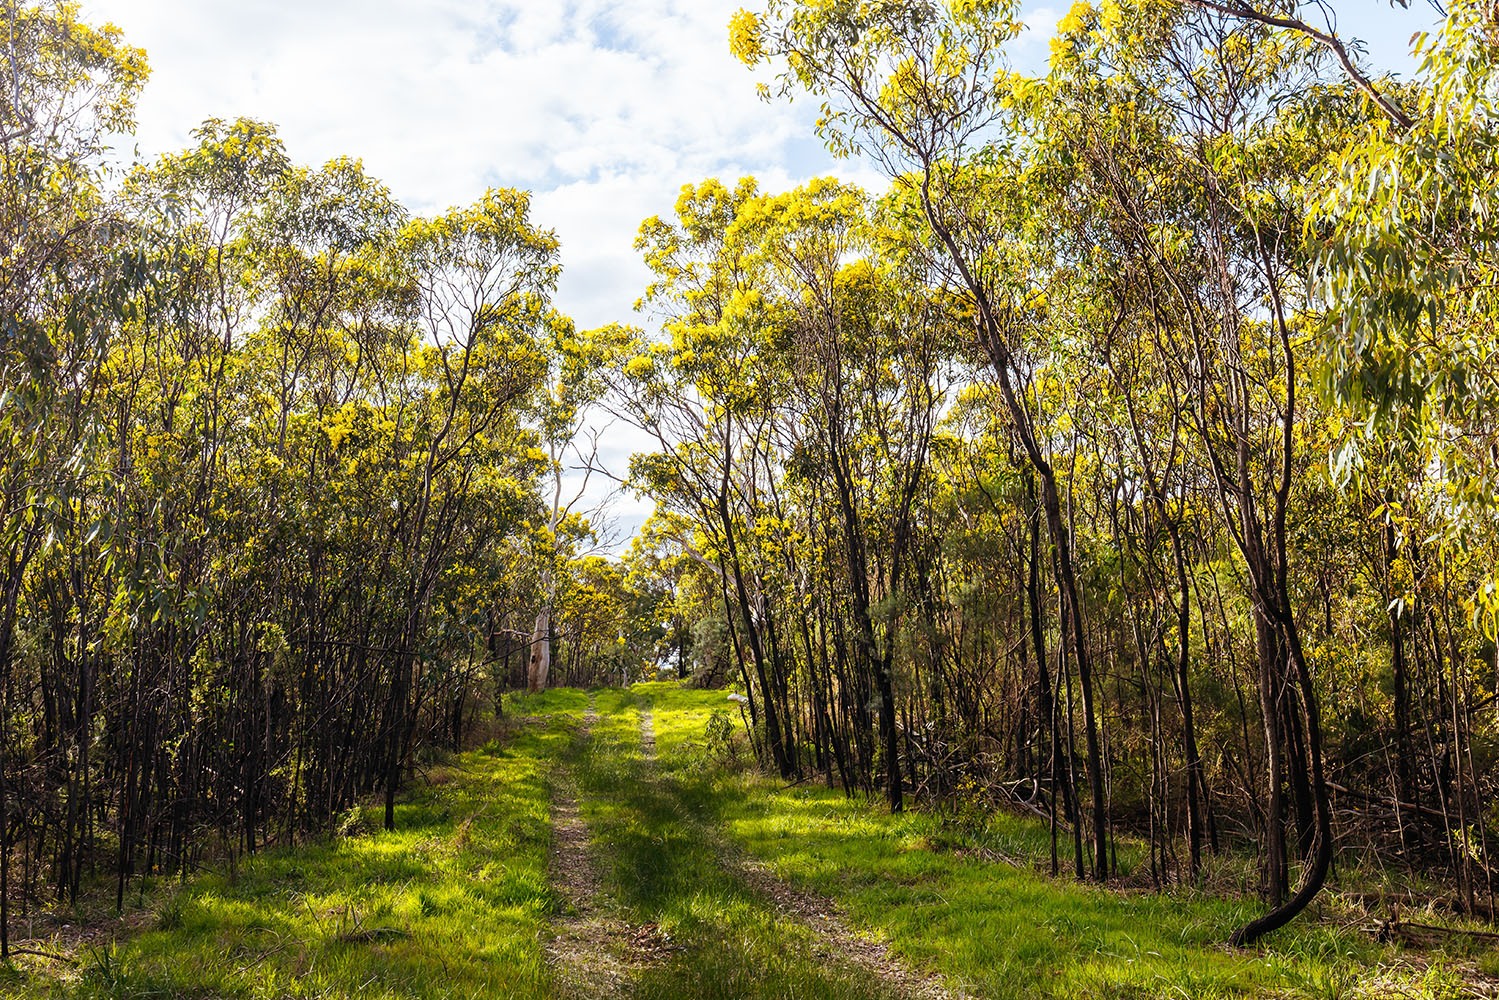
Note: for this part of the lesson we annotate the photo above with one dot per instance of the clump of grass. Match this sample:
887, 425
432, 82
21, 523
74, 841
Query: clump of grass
169, 912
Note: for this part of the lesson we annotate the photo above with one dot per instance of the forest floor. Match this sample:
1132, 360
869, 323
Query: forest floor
601, 846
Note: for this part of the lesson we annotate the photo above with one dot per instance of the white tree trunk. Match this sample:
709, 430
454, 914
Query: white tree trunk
541, 651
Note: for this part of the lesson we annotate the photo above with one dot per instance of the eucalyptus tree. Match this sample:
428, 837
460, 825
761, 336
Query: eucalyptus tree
1154, 186
705, 393
813, 362
482, 277
1182, 129
306, 555
1403, 222
658, 569
267, 459
921, 88
868, 345
171, 412
1403, 216
996, 583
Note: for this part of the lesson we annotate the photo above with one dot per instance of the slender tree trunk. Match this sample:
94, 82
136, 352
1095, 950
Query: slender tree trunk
992, 338
1197, 796
539, 665
1076, 631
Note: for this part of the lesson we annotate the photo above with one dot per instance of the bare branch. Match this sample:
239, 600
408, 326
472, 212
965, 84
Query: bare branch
1326, 38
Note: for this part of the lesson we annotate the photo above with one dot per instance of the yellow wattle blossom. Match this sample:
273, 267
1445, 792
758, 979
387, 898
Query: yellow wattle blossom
746, 40
639, 365
1110, 18
1076, 19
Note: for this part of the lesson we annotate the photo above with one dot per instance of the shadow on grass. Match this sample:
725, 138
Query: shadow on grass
1011, 931
455, 902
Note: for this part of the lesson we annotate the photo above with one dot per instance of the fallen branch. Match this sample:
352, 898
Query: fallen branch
1386, 801
53, 956
1485, 935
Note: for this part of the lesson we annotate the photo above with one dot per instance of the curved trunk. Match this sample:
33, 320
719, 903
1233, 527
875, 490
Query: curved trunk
1269, 571
1320, 861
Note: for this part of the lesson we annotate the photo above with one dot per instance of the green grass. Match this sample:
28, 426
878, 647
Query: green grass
456, 902
919, 881
453, 904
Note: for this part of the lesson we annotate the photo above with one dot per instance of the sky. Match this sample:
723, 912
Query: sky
602, 108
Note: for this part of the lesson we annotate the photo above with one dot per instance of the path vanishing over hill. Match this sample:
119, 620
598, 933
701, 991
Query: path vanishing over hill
601, 846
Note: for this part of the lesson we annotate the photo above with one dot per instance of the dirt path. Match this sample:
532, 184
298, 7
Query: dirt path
647, 734
591, 952
836, 940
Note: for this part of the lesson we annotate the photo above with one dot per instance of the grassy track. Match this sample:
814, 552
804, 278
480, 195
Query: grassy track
665, 863
456, 903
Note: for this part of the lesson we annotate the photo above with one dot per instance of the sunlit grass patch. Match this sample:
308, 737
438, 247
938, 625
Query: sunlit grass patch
682, 716
454, 903
457, 902
1006, 929
969, 897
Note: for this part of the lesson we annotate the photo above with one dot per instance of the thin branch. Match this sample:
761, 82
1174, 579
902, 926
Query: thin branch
1327, 39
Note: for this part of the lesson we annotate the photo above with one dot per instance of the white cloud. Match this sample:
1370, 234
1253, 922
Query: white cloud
604, 108
600, 103
1031, 52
